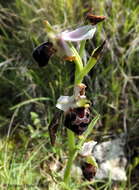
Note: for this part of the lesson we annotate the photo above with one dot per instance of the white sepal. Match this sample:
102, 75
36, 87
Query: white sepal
65, 103
82, 33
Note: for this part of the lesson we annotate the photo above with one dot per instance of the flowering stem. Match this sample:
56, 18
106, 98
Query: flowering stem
71, 140
82, 47
78, 62
71, 144
71, 136
72, 156
80, 72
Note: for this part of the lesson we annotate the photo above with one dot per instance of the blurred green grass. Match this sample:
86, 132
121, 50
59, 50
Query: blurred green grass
112, 85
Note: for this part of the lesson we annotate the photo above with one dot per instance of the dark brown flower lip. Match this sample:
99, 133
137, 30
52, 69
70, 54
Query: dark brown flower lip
78, 129
77, 119
82, 116
43, 53
89, 170
94, 19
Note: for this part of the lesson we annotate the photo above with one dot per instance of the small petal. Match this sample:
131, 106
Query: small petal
81, 33
69, 58
79, 90
94, 19
65, 103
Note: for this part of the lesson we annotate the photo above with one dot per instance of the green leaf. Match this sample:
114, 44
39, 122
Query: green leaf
33, 100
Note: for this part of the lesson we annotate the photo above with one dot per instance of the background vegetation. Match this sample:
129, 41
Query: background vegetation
28, 93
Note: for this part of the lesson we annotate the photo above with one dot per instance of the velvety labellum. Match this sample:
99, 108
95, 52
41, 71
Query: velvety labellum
89, 171
42, 53
77, 119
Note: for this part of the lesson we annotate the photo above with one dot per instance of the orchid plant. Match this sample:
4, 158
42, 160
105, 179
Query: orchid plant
76, 108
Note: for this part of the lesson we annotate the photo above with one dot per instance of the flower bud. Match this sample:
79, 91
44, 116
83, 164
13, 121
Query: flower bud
98, 50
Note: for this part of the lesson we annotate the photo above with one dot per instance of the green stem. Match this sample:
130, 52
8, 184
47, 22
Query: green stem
71, 136
72, 156
82, 48
91, 63
71, 140
78, 62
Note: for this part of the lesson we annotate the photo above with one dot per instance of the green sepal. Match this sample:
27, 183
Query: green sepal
91, 160
91, 62
83, 102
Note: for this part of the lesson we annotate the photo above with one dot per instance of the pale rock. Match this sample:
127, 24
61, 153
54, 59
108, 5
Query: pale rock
111, 159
